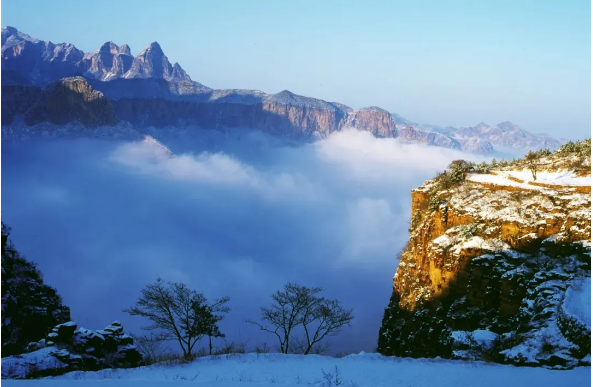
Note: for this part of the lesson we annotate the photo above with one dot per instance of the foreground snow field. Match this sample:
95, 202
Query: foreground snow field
296, 370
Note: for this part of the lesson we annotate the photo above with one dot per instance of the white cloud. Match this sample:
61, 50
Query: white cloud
230, 221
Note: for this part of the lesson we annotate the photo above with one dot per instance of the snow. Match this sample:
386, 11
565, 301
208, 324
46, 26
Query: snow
563, 178
553, 178
364, 369
481, 336
500, 180
577, 302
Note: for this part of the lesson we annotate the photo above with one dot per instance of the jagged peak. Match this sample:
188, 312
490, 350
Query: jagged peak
152, 47
125, 49
10, 30
12, 36
109, 47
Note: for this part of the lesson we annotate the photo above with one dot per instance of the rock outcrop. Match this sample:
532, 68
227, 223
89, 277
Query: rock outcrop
108, 62
65, 101
372, 119
69, 348
30, 308
413, 135
153, 63
487, 267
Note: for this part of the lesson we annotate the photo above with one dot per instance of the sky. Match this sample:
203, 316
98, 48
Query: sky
446, 62
236, 217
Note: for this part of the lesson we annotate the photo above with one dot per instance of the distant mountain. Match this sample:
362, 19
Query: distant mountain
149, 91
484, 139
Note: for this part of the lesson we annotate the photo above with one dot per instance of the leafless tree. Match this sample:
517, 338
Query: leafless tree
177, 312
300, 307
150, 346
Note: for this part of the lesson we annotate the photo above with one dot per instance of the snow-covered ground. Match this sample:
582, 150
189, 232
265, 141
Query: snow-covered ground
578, 301
551, 178
554, 178
500, 179
297, 370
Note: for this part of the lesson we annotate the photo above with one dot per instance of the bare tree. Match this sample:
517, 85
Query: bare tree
150, 346
300, 306
178, 312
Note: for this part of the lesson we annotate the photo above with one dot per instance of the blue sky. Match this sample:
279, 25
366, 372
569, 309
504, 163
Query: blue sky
441, 62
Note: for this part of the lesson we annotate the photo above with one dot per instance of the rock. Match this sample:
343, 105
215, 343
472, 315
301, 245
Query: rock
470, 266
65, 332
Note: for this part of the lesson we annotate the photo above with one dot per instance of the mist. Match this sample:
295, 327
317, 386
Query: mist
235, 216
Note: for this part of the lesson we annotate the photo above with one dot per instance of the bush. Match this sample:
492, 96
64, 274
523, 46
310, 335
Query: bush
482, 168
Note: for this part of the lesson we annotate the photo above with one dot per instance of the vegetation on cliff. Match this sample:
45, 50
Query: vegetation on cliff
30, 308
489, 261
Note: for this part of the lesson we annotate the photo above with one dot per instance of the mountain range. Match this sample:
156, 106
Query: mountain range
59, 84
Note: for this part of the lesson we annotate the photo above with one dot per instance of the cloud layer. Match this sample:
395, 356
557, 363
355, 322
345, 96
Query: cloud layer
229, 216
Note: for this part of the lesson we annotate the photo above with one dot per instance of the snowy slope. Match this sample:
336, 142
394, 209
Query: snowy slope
577, 302
297, 370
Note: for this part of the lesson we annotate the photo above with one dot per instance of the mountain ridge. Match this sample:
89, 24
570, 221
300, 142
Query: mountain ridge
131, 84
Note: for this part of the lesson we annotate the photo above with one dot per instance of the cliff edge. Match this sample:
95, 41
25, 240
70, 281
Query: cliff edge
496, 258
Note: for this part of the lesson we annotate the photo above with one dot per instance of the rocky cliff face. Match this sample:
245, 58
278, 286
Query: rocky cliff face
37, 60
62, 102
373, 119
488, 267
108, 62
411, 134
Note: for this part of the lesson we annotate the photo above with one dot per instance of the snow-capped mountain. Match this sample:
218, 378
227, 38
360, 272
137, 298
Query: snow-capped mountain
149, 91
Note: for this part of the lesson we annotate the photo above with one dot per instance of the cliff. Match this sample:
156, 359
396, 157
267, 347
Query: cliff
61, 102
490, 260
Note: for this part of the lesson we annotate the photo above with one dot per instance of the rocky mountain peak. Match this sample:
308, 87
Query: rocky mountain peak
125, 49
109, 47
12, 36
482, 127
508, 126
153, 63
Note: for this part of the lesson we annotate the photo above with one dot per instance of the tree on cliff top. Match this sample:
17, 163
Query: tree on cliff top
179, 313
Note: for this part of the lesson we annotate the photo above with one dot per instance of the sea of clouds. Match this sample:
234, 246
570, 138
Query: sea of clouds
230, 215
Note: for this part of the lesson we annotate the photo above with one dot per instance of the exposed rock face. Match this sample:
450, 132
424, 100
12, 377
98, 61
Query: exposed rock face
372, 119
108, 62
153, 63
44, 62
29, 307
506, 135
62, 102
38, 60
411, 134
283, 114
495, 260
69, 348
